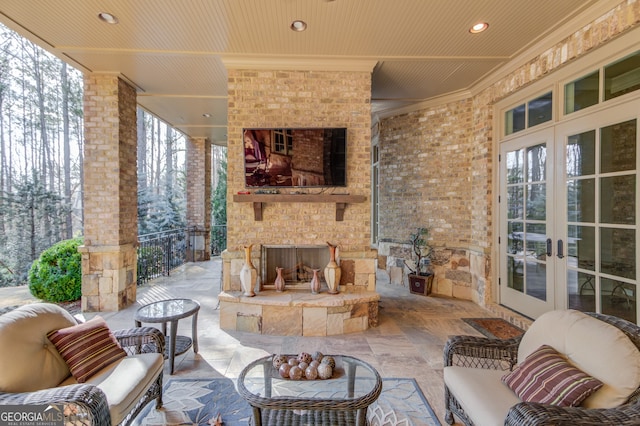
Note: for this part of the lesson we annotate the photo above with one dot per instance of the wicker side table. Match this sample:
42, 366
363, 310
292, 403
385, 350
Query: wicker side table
341, 400
171, 311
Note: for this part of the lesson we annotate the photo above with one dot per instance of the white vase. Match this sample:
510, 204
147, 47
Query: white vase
248, 273
279, 282
315, 282
332, 271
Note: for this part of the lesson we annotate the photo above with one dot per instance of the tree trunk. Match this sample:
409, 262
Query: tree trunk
68, 231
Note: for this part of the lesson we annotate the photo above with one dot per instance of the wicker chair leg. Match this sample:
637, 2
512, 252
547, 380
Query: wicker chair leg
159, 385
448, 417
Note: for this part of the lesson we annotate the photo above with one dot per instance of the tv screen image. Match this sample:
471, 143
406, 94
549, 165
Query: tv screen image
295, 157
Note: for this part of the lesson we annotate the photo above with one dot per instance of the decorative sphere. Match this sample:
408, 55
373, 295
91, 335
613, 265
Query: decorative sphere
303, 365
329, 360
314, 363
304, 357
278, 360
311, 372
293, 361
295, 373
325, 371
317, 355
284, 371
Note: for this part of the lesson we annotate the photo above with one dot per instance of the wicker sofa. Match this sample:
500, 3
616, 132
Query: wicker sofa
604, 347
33, 372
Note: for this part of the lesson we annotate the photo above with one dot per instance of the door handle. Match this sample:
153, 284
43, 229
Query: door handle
549, 247
560, 249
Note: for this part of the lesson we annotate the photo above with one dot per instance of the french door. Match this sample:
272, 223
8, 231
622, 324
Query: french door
568, 216
526, 231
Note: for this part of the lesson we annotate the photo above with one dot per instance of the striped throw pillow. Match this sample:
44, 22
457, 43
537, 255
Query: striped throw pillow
546, 377
87, 348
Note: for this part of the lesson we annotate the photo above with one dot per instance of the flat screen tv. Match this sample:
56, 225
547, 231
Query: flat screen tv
295, 157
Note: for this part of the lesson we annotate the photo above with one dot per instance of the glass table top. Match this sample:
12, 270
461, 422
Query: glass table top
352, 380
167, 310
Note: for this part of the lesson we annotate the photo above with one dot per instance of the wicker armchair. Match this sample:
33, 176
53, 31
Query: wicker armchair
84, 403
497, 354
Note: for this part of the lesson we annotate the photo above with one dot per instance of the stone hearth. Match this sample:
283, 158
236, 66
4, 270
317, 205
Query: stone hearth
298, 312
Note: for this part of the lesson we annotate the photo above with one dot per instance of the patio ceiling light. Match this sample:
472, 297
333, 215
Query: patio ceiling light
298, 25
478, 28
108, 18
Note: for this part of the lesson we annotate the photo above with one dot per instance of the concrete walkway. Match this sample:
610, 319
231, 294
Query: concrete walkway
12, 297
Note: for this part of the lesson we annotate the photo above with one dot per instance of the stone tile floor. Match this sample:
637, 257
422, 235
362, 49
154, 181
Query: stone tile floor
407, 343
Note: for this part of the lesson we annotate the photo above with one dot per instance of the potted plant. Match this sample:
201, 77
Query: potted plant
420, 275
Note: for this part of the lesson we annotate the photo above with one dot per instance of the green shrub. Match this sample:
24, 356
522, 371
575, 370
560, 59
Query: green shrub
57, 275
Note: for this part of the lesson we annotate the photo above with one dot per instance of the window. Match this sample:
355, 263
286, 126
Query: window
534, 112
618, 78
581, 93
283, 141
622, 77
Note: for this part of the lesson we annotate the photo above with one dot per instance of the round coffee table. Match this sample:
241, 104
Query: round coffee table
341, 400
171, 311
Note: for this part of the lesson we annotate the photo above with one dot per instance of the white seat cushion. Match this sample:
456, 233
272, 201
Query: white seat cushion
595, 347
125, 381
484, 398
29, 360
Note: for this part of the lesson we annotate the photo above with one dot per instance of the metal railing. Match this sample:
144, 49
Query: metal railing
160, 252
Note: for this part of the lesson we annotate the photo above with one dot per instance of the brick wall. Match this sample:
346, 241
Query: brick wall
267, 99
198, 198
110, 196
110, 161
436, 168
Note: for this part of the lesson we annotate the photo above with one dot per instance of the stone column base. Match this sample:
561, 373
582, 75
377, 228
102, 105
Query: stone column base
199, 249
108, 277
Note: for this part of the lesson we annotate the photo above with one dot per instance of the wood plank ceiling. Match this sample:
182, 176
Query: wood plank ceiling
173, 50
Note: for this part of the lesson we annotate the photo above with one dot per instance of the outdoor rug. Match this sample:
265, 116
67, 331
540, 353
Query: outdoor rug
496, 328
198, 402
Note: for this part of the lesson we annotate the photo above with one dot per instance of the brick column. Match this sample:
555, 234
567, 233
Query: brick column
110, 194
199, 199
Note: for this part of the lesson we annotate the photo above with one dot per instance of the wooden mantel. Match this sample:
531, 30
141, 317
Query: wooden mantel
341, 201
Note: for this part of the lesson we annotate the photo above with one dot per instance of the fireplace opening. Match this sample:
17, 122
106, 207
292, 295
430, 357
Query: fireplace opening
298, 263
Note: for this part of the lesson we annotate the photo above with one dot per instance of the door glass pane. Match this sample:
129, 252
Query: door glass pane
515, 202
622, 76
540, 109
536, 201
581, 93
515, 166
581, 291
619, 299
618, 147
618, 252
514, 243
536, 238
581, 154
515, 274
536, 280
581, 200
536, 163
617, 200
514, 120
581, 247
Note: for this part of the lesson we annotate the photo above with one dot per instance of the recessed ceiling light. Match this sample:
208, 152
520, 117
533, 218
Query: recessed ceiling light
298, 25
206, 115
108, 18
478, 28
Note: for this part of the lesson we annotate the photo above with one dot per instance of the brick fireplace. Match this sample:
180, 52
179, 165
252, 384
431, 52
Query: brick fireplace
300, 95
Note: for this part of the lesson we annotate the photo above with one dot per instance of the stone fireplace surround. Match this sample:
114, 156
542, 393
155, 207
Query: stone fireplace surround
280, 92
297, 312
